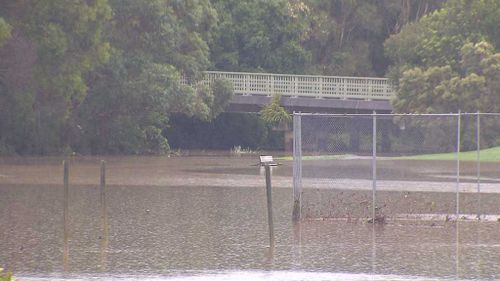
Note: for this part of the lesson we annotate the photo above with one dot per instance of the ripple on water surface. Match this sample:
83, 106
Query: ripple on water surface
213, 232
242, 276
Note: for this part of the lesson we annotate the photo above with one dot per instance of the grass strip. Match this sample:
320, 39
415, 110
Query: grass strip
486, 155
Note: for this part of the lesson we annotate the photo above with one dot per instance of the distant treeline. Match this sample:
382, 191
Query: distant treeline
102, 76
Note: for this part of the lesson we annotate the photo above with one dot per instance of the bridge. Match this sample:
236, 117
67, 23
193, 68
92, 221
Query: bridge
306, 93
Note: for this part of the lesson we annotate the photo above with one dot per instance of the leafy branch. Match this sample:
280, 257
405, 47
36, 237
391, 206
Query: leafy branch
275, 114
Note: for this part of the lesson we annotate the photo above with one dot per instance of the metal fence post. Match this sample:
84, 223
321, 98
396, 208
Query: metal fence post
478, 162
457, 189
374, 164
297, 167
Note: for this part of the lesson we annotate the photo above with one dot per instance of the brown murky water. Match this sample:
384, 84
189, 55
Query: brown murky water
204, 218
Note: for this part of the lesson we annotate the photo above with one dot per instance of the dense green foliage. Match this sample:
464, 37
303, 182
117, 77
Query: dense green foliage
5, 30
274, 114
449, 60
259, 36
53, 46
331, 37
5, 276
153, 42
105, 76
102, 76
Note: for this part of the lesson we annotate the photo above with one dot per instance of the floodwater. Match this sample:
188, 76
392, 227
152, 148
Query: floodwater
205, 218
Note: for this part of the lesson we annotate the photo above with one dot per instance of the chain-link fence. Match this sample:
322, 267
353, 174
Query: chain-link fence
395, 166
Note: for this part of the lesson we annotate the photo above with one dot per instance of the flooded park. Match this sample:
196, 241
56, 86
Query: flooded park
205, 218
134, 136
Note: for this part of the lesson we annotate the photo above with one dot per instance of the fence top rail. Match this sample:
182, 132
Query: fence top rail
295, 75
396, 114
482, 113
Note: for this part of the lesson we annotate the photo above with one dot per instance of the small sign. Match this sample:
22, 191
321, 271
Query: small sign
267, 160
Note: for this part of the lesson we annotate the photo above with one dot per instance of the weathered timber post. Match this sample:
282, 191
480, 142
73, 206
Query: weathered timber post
104, 216
297, 167
269, 206
66, 214
103, 193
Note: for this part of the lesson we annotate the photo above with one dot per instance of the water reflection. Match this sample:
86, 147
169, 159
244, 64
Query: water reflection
253, 275
213, 232
104, 218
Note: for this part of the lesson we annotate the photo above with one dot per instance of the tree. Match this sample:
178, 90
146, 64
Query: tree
223, 93
154, 44
274, 114
104, 76
346, 36
258, 36
340, 34
474, 87
438, 38
448, 60
54, 45
5, 30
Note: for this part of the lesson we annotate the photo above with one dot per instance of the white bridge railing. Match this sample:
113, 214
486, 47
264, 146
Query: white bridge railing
338, 87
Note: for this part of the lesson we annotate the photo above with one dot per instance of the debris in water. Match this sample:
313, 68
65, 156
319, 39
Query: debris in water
378, 220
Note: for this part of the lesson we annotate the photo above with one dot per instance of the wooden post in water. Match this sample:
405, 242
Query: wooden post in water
104, 216
103, 189
66, 214
103, 197
269, 206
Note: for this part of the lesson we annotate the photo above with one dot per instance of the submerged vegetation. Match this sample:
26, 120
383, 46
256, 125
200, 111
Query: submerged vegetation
5, 276
237, 150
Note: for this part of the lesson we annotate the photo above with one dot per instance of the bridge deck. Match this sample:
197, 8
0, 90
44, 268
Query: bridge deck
338, 87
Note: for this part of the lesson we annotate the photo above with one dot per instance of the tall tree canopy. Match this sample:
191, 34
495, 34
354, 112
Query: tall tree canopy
331, 37
449, 60
102, 76
105, 76
153, 44
260, 36
52, 47
346, 37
